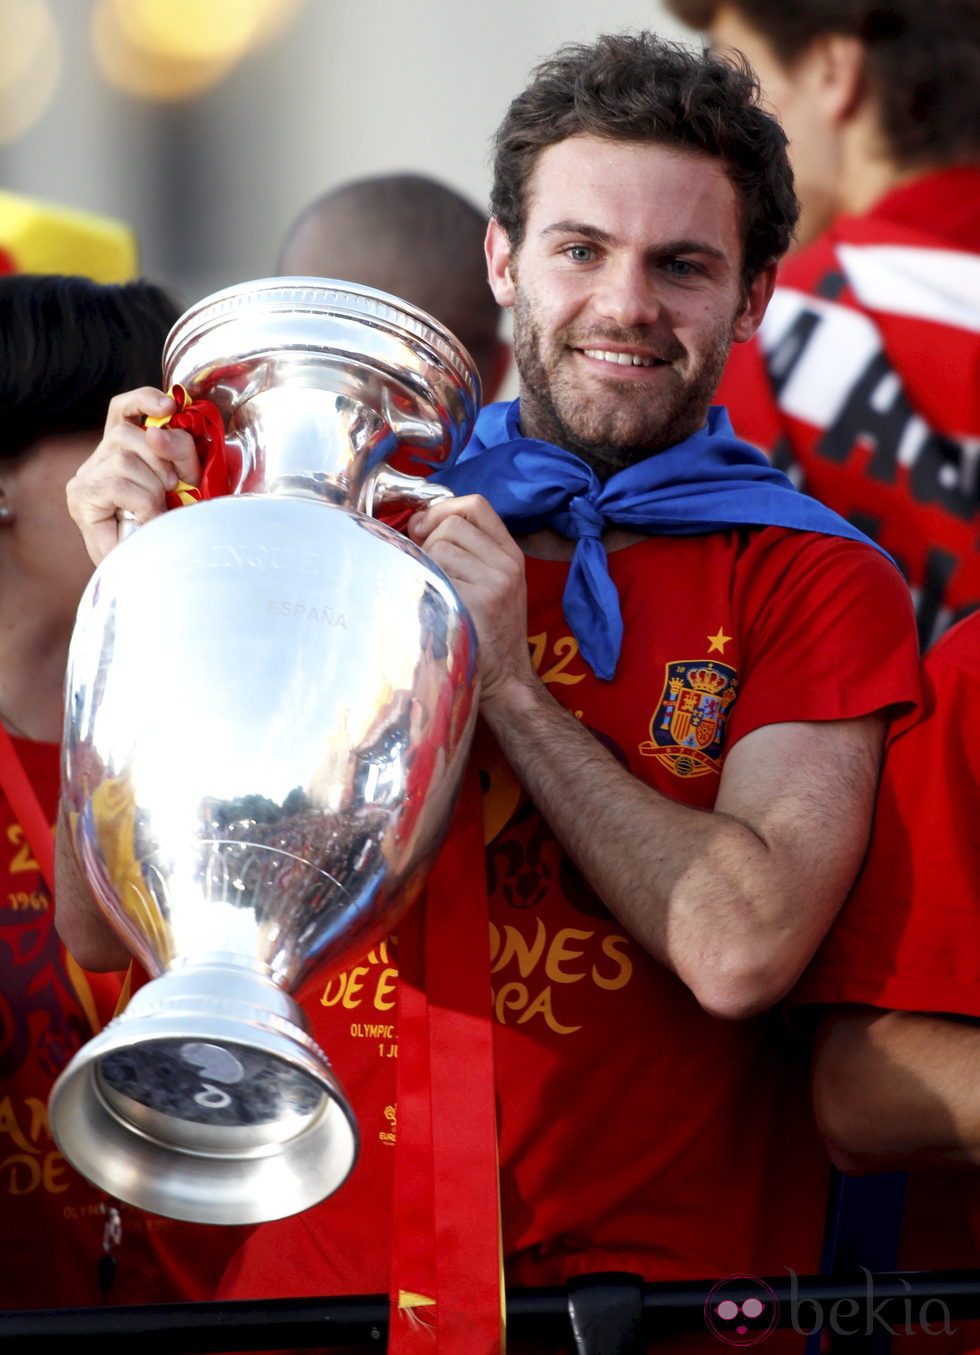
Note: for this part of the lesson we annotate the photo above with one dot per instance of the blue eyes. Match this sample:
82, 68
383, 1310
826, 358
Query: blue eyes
677, 268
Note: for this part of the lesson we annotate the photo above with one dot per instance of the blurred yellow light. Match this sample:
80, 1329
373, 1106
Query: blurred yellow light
144, 74
30, 63
177, 49
200, 29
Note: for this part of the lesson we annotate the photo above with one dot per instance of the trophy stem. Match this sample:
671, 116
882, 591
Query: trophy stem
209, 1101
308, 441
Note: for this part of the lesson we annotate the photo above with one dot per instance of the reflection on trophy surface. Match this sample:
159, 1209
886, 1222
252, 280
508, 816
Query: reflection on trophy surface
270, 702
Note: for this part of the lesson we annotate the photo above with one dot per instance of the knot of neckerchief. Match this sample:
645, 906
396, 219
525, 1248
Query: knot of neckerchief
710, 482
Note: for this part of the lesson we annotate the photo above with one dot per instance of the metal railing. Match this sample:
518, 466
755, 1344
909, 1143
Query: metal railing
608, 1314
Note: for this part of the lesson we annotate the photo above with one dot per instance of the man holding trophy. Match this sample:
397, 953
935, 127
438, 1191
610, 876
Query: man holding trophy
686, 673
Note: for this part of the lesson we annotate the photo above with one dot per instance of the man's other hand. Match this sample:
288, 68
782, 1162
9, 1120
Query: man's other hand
469, 543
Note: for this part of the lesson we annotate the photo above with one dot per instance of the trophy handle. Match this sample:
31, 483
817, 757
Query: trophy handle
387, 486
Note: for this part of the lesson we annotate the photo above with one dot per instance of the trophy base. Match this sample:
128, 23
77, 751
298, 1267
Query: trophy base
207, 1100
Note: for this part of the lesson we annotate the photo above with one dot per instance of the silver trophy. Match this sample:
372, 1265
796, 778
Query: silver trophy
270, 702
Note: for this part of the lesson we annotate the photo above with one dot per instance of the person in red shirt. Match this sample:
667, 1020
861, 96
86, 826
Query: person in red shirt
862, 380
904, 954
67, 344
894, 992
687, 671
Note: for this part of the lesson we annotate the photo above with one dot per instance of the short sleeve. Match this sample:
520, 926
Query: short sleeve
908, 938
829, 632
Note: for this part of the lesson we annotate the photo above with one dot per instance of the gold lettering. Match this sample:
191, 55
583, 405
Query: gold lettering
566, 648
373, 1031
334, 991
542, 1005
512, 997
55, 1167
384, 994
611, 948
23, 860
527, 956
559, 950
538, 644
39, 1118
25, 1173
21, 901
355, 982
9, 1125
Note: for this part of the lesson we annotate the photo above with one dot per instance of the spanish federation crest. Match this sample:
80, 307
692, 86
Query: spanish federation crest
688, 727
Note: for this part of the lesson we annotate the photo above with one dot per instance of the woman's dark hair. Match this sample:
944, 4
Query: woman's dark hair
923, 62
636, 87
67, 346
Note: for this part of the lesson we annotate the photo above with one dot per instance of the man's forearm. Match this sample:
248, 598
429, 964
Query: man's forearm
895, 1090
731, 908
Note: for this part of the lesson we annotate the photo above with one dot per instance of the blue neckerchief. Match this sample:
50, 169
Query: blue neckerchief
708, 483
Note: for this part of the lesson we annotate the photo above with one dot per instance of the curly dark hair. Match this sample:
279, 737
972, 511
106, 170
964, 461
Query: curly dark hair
923, 61
637, 87
68, 345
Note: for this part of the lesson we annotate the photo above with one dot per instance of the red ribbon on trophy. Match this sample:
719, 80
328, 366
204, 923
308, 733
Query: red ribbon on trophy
203, 421
446, 1270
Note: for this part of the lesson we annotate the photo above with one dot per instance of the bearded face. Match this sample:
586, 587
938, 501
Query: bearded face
629, 417
627, 295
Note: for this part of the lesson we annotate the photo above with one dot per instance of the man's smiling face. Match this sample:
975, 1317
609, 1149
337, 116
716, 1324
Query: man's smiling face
627, 294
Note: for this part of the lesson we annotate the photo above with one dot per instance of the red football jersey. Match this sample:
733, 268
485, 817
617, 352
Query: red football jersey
635, 1131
